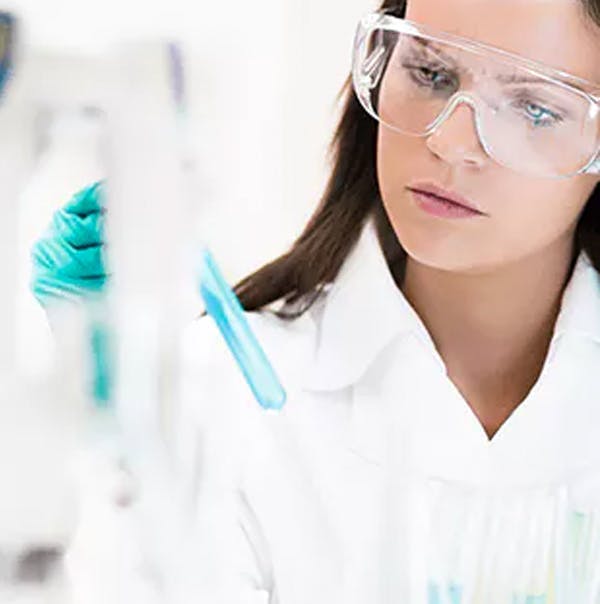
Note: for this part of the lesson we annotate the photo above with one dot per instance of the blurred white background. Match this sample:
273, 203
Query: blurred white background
263, 79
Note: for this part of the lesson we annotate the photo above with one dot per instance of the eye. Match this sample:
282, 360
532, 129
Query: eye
539, 115
429, 76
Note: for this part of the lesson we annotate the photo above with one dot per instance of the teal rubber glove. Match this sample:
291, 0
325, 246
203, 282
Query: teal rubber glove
68, 266
68, 260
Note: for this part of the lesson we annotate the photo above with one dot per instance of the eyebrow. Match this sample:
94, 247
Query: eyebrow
520, 79
432, 46
506, 79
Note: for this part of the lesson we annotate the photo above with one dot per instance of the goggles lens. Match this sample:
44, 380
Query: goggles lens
525, 120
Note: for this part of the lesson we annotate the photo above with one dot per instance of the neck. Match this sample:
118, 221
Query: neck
489, 321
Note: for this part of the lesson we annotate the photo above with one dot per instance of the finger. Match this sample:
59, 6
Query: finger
78, 231
86, 201
87, 263
47, 289
66, 261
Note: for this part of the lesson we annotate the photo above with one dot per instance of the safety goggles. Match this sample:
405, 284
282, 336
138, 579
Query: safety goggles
529, 117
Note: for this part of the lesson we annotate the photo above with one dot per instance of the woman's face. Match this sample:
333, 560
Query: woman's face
525, 214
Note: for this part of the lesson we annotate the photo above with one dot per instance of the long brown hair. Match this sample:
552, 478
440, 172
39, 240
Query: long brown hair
350, 198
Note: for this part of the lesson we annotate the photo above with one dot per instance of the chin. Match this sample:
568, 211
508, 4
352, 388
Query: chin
440, 262
439, 253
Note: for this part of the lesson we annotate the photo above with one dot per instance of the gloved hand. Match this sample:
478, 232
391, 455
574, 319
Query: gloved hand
68, 261
68, 265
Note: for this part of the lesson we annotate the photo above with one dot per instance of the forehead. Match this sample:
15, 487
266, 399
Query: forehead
554, 32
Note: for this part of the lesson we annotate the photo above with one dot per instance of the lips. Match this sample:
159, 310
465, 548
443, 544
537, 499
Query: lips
449, 196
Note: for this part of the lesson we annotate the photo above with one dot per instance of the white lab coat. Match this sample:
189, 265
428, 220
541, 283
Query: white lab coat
295, 507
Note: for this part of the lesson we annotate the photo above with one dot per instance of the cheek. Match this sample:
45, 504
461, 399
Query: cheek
398, 161
539, 211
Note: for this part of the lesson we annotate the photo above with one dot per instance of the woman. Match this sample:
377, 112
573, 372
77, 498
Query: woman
455, 339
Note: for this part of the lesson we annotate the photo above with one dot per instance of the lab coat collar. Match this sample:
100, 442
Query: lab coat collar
580, 307
364, 311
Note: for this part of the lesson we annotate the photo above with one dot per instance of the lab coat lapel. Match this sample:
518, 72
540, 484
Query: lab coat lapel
364, 319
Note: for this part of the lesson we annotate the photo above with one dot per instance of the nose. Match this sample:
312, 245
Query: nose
456, 139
